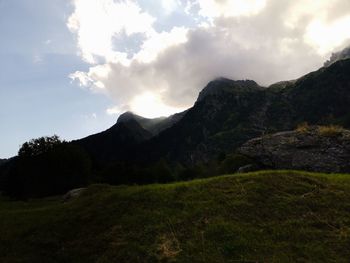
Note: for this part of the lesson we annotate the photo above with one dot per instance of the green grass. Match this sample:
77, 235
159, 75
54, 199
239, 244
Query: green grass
282, 216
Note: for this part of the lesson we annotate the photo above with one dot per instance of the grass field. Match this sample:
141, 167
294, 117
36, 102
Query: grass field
279, 216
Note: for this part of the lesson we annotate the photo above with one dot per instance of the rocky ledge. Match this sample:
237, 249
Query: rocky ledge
317, 149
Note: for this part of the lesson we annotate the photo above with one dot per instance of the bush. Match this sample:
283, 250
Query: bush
233, 162
303, 127
330, 131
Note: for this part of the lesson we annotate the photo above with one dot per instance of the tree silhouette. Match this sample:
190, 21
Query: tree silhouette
47, 166
38, 146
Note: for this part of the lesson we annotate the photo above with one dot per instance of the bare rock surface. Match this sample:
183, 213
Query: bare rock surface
72, 194
309, 150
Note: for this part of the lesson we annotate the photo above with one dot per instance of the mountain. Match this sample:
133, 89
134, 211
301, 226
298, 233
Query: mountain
201, 142
2, 161
226, 114
112, 143
221, 108
154, 126
119, 141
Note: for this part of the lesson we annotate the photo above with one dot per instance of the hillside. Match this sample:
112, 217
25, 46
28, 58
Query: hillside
119, 141
228, 113
268, 216
154, 126
203, 141
112, 143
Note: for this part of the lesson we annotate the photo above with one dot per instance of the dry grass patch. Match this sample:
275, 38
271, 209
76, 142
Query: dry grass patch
303, 127
168, 248
330, 131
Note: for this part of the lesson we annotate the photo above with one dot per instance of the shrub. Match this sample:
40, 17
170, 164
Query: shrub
330, 131
233, 162
303, 127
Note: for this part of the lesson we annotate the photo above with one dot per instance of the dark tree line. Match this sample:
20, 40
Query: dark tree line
45, 166
48, 166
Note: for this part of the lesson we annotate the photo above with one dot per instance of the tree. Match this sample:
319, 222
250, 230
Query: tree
38, 146
47, 166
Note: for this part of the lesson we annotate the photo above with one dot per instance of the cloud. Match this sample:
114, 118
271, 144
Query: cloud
170, 6
264, 40
229, 8
96, 22
325, 36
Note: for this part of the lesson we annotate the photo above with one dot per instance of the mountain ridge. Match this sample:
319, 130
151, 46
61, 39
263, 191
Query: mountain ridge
228, 113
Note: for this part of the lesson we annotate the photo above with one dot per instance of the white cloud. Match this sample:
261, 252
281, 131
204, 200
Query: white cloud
151, 105
170, 6
326, 36
229, 8
264, 40
114, 111
92, 79
96, 22
159, 42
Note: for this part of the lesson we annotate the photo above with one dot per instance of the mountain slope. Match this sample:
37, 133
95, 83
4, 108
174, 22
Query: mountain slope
120, 141
114, 143
258, 217
154, 126
222, 105
228, 113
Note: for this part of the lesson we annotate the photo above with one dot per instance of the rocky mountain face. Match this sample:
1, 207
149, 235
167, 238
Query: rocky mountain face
216, 123
318, 149
227, 114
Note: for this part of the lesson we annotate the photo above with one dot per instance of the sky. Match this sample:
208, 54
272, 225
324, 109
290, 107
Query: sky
71, 67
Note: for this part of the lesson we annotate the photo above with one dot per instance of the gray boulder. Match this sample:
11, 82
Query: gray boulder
248, 168
313, 149
72, 194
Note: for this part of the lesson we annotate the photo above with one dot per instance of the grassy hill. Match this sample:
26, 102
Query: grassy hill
267, 216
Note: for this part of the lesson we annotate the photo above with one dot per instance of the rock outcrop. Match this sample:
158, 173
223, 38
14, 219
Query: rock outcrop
72, 194
318, 149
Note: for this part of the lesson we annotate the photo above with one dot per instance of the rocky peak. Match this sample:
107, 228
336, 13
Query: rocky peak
223, 85
155, 125
127, 116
